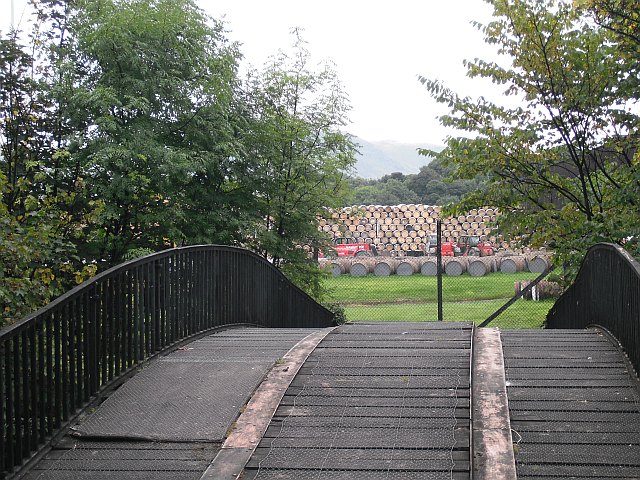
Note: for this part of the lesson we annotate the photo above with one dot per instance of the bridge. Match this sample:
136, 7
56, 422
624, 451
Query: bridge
206, 363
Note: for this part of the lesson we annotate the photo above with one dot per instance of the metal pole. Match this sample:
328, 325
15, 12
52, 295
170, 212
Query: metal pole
439, 275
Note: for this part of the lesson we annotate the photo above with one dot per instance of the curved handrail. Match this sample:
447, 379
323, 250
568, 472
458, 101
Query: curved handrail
605, 293
55, 360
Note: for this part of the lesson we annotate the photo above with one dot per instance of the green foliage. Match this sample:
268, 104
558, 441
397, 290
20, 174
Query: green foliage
156, 138
389, 192
622, 19
433, 185
124, 129
36, 262
561, 168
339, 312
299, 159
137, 253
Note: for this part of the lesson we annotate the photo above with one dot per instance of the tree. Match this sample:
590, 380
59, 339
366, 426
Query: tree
300, 157
125, 130
431, 186
621, 18
559, 166
152, 89
118, 137
37, 262
389, 192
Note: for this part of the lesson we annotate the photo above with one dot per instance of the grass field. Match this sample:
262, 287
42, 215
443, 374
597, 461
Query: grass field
414, 298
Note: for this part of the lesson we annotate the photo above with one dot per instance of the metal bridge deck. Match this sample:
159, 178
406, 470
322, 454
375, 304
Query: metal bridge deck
373, 401
574, 406
169, 420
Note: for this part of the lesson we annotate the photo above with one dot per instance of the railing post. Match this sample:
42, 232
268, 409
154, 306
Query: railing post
439, 267
64, 359
92, 350
4, 416
154, 310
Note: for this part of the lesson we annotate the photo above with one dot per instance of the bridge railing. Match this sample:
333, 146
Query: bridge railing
606, 293
54, 361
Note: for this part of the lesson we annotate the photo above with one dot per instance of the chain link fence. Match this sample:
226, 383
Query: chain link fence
503, 288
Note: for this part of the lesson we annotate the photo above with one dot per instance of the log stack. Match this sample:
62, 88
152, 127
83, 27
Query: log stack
337, 267
408, 266
429, 267
455, 266
480, 266
401, 229
399, 232
452, 266
512, 264
385, 266
361, 267
541, 291
538, 262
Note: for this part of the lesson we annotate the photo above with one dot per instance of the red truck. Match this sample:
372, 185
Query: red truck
466, 246
472, 246
350, 247
449, 249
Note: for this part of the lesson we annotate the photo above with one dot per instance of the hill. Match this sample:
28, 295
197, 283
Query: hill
379, 158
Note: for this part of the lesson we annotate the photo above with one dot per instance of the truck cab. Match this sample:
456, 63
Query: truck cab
474, 246
449, 249
351, 247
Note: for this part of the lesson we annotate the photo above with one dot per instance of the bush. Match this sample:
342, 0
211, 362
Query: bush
339, 314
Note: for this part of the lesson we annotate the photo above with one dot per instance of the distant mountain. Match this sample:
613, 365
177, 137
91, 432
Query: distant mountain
379, 158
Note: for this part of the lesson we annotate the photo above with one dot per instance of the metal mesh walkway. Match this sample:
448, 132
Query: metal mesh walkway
574, 407
168, 421
374, 401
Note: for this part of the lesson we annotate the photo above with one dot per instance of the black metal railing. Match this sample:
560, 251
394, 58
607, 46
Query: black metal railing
605, 293
54, 361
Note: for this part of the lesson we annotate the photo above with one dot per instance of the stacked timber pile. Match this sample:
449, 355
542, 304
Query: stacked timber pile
397, 230
427, 265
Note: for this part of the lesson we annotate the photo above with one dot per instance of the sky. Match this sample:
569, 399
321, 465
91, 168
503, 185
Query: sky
379, 48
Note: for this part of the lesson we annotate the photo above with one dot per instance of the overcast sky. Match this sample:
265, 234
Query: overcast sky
379, 48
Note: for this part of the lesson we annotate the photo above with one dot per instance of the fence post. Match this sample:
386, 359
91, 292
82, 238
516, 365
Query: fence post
439, 268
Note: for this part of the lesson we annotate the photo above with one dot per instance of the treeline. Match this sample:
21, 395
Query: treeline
126, 128
431, 186
563, 162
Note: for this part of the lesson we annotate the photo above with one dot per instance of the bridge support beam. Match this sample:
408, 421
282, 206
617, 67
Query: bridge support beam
492, 449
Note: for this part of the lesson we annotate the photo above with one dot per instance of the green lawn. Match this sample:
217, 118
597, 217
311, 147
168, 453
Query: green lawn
414, 298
